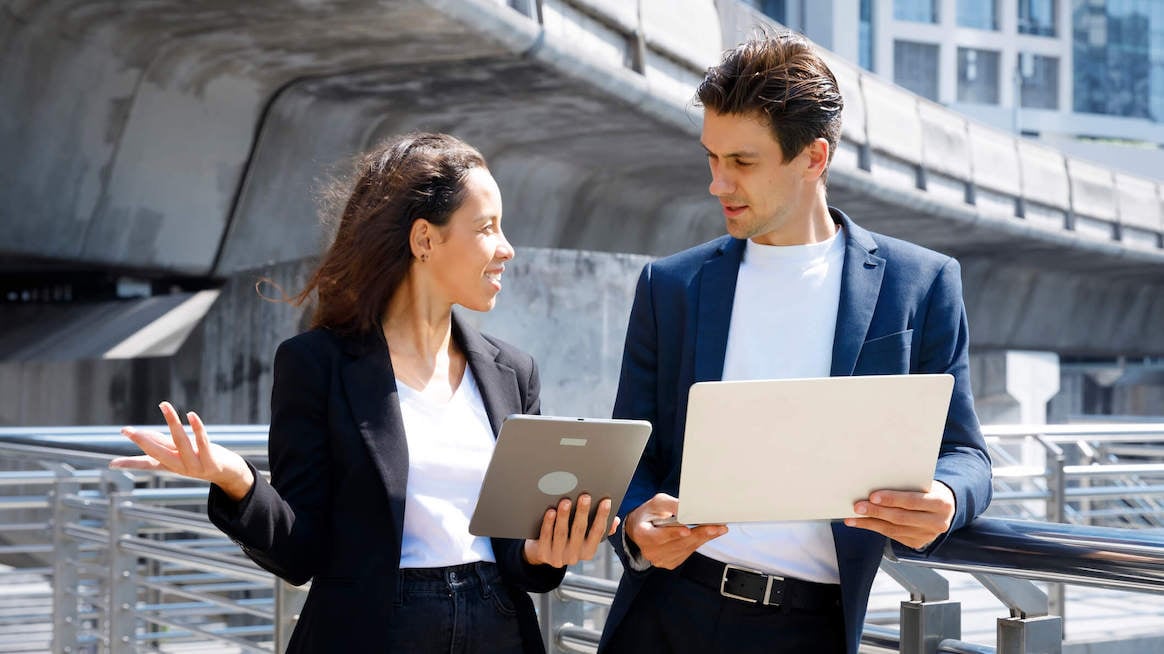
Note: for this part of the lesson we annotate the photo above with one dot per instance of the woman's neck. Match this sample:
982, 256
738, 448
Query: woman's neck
418, 329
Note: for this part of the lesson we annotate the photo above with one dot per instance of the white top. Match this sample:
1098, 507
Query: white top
449, 445
784, 316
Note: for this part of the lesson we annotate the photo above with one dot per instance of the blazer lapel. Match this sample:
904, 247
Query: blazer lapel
497, 382
717, 289
860, 285
370, 387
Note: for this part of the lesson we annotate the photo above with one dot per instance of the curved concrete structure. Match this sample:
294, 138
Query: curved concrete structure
188, 140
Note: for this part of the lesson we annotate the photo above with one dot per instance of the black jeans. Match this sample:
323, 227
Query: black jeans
674, 615
462, 609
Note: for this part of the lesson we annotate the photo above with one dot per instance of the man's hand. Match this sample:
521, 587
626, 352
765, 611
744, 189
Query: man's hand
913, 519
666, 547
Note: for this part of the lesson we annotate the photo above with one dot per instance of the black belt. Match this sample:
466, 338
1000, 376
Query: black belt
756, 587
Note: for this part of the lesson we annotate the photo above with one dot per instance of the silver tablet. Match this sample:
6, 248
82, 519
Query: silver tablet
540, 459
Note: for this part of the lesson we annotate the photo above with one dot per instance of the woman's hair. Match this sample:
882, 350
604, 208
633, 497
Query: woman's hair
780, 77
400, 181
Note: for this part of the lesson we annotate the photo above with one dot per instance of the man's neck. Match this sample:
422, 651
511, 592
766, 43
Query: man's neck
812, 226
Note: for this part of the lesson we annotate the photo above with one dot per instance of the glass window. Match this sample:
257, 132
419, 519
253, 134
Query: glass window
916, 11
1118, 50
1039, 77
915, 67
979, 14
1036, 17
977, 76
774, 9
865, 36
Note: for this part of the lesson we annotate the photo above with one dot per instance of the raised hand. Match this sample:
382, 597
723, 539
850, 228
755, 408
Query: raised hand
560, 543
196, 457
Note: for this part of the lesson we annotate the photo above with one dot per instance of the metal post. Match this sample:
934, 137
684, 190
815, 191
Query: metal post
546, 618
288, 604
121, 620
929, 616
926, 624
65, 554
1039, 635
1056, 512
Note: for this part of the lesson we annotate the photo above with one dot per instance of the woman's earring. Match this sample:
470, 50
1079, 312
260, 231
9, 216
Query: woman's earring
423, 258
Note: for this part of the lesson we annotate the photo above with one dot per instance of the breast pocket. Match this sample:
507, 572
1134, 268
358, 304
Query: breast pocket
885, 355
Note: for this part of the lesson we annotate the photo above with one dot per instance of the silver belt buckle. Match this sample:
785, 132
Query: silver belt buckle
767, 585
768, 591
723, 584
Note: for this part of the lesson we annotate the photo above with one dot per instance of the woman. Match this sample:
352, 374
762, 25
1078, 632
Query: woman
383, 417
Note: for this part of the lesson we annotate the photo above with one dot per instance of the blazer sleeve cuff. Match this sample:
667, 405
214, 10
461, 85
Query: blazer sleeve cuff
238, 520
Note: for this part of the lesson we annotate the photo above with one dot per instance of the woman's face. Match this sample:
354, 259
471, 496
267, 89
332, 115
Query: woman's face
469, 253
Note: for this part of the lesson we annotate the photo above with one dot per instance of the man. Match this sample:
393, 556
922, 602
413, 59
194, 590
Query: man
796, 289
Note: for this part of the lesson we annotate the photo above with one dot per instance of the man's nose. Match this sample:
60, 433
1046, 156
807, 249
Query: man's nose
720, 184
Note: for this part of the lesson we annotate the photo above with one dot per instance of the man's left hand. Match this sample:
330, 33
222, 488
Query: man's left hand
911, 518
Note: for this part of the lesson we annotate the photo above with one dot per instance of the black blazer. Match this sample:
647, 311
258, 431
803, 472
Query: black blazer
333, 511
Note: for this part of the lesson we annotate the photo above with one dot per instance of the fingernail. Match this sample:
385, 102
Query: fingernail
862, 509
876, 499
849, 522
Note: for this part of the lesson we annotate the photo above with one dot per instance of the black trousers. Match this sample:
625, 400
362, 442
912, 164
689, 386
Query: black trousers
673, 614
461, 609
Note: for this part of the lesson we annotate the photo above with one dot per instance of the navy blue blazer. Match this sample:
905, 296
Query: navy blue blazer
334, 509
901, 311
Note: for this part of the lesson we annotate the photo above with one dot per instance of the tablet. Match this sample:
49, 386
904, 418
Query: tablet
540, 459
807, 449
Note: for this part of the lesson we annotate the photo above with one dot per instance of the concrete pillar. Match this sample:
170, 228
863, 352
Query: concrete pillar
1013, 386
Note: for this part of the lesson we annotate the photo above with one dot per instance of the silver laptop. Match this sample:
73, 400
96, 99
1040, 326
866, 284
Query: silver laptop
807, 449
540, 459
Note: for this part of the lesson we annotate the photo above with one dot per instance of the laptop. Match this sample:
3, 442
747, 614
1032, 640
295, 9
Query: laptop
540, 459
807, 449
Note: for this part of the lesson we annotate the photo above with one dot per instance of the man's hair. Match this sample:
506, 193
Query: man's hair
780, 77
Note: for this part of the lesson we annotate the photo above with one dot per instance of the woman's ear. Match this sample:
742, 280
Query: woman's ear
420, 239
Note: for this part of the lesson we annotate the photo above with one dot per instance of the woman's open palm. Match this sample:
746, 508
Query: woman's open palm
195, 457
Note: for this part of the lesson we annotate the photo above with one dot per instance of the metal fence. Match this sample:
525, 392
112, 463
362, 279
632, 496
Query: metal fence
135, 565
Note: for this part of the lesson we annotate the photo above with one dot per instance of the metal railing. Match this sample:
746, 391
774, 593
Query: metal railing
134, 563
133, 560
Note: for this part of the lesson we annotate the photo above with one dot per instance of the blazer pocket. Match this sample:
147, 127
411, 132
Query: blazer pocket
885, 355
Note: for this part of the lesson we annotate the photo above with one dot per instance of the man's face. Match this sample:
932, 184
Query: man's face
763, 197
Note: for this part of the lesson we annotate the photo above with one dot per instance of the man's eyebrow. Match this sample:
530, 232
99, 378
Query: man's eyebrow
743, 154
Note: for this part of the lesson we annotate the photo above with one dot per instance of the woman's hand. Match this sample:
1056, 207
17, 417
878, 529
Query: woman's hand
560, 543
197, 458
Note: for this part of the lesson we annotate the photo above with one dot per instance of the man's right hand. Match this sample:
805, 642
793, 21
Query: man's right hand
666, 547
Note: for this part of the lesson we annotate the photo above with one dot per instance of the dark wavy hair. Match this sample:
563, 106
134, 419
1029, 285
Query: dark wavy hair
780, 76
400, 181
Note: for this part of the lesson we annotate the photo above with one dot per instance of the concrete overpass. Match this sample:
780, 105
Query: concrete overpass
183, 142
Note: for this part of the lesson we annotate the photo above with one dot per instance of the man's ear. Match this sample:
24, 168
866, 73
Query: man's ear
818, 158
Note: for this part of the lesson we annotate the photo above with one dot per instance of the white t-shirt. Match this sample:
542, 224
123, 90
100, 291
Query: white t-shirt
449, 445
784, 317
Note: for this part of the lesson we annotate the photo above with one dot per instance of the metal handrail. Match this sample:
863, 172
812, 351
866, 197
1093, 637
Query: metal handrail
1105, 557
1093, 556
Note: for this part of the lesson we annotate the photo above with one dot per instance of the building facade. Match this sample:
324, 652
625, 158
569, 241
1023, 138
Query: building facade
1084, 75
